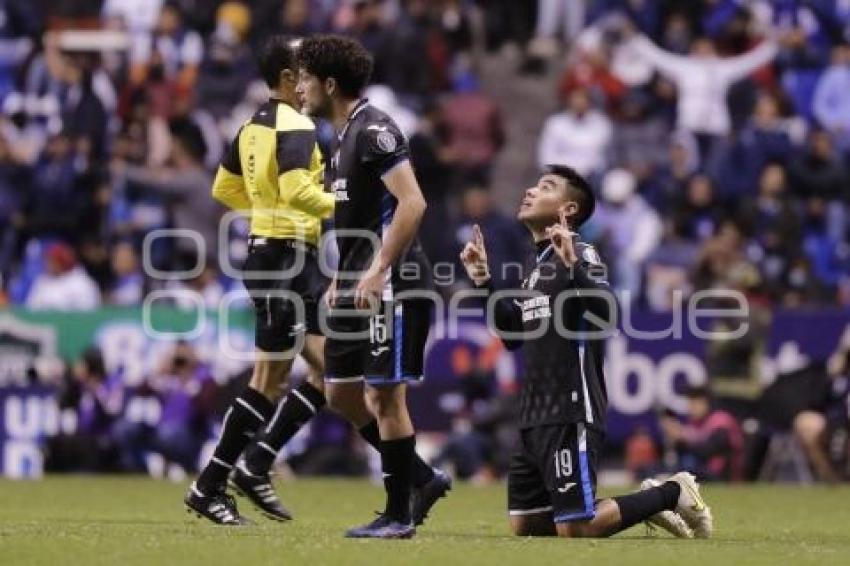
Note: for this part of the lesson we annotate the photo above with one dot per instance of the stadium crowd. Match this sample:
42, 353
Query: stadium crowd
717, 133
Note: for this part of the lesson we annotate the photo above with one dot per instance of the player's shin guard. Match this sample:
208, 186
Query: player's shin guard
295, 411
247, 413
397, 464
422, 472
637, 507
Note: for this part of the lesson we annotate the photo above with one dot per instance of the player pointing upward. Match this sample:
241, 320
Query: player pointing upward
557, 316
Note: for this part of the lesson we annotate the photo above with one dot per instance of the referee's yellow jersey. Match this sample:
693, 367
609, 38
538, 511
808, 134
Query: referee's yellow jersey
274, 171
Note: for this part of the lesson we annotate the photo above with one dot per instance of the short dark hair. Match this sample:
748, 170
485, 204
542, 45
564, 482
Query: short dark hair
276, 55
697, 392
578, 189
341, 58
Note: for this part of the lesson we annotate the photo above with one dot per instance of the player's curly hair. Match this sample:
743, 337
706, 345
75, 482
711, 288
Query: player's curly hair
578, 189
337, 57
276, 55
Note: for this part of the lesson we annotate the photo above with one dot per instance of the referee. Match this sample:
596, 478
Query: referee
272, 172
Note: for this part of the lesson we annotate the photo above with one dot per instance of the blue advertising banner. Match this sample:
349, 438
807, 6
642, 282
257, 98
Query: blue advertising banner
644, 373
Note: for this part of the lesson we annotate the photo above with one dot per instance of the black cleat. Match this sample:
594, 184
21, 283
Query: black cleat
423, 498
218, 507
259, 491
383, 527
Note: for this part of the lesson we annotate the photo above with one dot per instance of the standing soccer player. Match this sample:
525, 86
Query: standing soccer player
378, 210
273, 172
560, 316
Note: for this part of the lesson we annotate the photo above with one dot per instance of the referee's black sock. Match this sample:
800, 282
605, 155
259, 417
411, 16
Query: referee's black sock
397, 465
422, 472
247, 413
637, 507
299, 406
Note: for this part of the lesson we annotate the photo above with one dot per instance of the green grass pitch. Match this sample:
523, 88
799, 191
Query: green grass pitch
128, 521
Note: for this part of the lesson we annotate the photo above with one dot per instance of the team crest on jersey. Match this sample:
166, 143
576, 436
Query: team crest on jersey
590, 256
386, 141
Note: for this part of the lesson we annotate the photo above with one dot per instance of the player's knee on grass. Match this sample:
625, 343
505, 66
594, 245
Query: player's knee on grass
809, 426
577, 529
538, 525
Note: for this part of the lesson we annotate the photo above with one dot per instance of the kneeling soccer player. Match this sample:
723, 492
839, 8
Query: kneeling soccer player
559, 316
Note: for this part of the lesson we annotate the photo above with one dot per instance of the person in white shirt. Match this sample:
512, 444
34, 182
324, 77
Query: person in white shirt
64, 285
703, 79
630, 227
579, 137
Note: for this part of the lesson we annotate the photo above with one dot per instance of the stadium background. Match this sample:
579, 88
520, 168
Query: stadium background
105, 137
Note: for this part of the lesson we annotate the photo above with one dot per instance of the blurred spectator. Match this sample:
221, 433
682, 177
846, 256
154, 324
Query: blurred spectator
185, 186
435, 176
205, 286
669, 268
171, 51
383, 98
127, 287
819, 173
137, 16
186, 393
553, 17
776, 229
228, 65
710, 443
703, 80
506, 247
698, 210
823, 428
630, 230
474, 133
669, 181
64, 285
579, 136
482, 429
767, 136
96, 400
831, 105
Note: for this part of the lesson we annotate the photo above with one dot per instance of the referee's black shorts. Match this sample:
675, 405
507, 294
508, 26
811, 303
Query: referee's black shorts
286, 286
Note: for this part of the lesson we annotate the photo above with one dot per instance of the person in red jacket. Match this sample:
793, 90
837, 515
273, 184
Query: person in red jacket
710, 442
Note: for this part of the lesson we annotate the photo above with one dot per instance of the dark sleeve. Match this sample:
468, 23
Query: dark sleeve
295, 149
231, 161
507, 316
383, 146
592, 276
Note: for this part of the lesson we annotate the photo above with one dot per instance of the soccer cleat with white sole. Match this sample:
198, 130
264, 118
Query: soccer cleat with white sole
668, 520
691, 506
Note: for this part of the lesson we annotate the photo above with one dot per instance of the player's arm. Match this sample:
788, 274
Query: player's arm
299, 164
383, 148
584, 271
229, 186
507, 316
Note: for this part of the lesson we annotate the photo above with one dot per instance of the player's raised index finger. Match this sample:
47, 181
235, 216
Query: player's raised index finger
563, 215
477, 236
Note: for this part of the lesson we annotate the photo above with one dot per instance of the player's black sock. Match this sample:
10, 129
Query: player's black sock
247, 413
297, 408
397, 465
422, 472
637, 507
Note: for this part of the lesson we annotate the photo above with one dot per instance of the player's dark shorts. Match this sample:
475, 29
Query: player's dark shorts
390, 348
286, 296
554, 471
